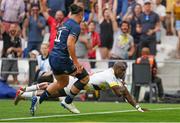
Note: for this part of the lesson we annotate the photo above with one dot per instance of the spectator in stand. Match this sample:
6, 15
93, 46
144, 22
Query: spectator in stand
53, 22
106, 29
94, 16
169, 8
176, 13
95, 42
133, 20
148, 25
55, 5
43, 69
87, 9
146, 58
83, 45
12, 11
32, 65
161, 11
11, 49
34, 26
123, 46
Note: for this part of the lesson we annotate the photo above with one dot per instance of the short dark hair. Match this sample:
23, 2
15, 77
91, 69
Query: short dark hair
75, 9
125, 22
35, 5
120, 65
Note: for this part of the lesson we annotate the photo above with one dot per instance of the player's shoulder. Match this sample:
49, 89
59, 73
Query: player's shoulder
108, 72
70, 23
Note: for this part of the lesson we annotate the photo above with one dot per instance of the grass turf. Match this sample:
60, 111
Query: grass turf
8, 110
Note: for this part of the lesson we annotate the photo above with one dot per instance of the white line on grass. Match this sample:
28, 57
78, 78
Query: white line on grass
82, 114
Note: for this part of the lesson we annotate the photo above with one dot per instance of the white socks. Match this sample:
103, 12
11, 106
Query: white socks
32, 88
29, 95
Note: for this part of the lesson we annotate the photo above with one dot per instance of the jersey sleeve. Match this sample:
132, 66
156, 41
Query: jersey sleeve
50, 20
75, 31
112, 81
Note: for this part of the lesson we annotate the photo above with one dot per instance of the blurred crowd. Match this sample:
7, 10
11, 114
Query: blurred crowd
118, 28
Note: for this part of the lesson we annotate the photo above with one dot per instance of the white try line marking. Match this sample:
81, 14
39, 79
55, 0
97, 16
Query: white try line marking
82, 114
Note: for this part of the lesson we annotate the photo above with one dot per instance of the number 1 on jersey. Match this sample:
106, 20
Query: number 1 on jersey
58, 36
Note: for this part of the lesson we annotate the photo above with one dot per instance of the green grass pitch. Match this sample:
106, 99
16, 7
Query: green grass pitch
51, 111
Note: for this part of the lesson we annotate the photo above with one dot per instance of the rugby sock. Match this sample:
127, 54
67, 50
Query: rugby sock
61, 98
44, 96
32, 88
70, 97
29, 95
62, 92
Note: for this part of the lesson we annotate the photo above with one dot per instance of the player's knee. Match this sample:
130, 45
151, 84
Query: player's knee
80, 84
82, 81
84, 76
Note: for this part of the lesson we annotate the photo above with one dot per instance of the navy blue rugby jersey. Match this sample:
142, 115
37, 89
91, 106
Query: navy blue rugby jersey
70, 27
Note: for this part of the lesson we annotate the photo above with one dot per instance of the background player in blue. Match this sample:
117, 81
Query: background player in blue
63, 62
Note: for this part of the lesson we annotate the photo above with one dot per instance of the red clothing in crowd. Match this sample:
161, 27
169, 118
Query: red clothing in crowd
95, 43
53, 24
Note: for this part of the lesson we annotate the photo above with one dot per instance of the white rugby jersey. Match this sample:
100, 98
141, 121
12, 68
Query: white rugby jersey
103, 80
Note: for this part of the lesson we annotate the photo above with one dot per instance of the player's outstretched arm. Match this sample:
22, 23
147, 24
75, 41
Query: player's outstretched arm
122, 91
132, 101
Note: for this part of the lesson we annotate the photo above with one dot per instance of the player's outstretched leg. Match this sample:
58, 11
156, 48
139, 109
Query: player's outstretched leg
79, 85
63, 92
71, 107
18, 96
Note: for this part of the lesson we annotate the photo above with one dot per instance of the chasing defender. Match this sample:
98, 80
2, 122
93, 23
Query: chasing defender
64, 62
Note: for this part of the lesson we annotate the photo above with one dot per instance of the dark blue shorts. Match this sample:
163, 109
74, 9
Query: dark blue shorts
61, 65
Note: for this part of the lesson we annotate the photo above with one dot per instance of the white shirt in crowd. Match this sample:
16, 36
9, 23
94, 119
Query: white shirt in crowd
160, 10
43, 64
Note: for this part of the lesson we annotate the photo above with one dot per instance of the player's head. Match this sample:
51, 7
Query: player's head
77, 11
120, 69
